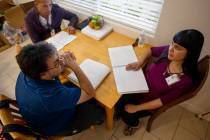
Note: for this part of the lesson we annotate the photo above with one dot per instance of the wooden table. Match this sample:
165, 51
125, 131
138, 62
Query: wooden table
85, 47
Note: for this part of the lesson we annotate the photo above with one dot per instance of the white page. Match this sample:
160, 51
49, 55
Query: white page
56, 44
130, 81
121, 56
61, 39
95, 72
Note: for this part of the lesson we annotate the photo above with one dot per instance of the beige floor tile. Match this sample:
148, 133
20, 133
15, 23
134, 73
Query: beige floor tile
149, 136
208, 133
101, 133
165, 125
13, 73
7, 64
7, 55
3, 69
5, 81
74, 137
13, 62
114, 138
10, 90
165, 132
183, 134
137, 136
193, 124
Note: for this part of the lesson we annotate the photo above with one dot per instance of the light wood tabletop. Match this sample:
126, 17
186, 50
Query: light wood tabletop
85, 47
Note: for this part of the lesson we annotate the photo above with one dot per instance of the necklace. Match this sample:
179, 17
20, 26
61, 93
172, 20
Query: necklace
168, 72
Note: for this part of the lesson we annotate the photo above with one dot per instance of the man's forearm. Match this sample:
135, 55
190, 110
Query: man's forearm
83, 81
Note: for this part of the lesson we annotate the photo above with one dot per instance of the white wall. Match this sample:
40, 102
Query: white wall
177, 15
182, 14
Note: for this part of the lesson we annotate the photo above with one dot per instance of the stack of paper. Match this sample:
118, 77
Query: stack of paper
61, 39
97, 34
94, 71
126, 81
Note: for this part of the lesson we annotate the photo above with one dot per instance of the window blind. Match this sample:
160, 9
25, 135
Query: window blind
139, 14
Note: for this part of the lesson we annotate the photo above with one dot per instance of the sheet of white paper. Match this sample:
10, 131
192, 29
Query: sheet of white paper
121, 56
61, 39
130, 81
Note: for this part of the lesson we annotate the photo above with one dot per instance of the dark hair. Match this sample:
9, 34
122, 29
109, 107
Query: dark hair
192, 40
32, 59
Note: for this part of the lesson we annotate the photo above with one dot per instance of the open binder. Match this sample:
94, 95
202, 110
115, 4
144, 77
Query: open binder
126, 81
61, 39
95, 72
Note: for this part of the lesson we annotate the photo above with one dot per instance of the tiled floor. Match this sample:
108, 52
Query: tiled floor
175, 124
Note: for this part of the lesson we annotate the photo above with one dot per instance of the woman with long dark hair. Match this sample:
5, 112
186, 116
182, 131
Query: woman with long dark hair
171, 75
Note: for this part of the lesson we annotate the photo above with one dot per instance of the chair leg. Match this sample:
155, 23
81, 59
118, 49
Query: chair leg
150, 121
149, 124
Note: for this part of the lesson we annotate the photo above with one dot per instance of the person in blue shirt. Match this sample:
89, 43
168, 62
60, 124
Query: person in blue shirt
51, 108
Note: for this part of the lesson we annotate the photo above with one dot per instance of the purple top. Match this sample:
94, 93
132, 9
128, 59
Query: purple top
158, 87
35, 29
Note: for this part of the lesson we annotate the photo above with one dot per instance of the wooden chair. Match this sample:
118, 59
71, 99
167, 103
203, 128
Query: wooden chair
203, 68
27, 6
15, 17
9, 116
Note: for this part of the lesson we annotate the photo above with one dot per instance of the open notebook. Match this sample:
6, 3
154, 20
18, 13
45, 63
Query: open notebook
95, 72
61, 39
126, 81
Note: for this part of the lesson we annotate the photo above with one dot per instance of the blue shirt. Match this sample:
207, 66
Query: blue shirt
46, 105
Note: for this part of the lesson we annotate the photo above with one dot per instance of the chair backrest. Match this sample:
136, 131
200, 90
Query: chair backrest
15, 17
11, 2
9, 116
27, 6
203, 69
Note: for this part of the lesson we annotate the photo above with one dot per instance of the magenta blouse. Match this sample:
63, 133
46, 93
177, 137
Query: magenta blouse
158, 87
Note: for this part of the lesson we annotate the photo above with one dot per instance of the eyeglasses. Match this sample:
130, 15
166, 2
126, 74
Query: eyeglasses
57, 64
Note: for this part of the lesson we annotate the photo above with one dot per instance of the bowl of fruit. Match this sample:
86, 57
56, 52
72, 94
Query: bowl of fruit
96, 22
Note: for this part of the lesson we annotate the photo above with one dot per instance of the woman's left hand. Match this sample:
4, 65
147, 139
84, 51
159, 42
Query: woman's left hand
131, 108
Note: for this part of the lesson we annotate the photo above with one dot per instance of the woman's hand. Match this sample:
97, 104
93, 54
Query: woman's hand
133, 66
131, 108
